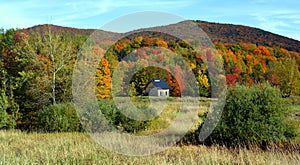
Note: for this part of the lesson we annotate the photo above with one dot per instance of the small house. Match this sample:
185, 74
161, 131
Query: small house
157, 87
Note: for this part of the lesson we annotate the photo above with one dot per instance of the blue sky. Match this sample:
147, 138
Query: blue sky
277, 16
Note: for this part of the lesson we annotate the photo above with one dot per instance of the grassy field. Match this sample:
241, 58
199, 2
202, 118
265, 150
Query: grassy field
18, 147
78, 148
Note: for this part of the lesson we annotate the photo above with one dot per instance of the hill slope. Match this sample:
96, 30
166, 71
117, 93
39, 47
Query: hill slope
231, 34
225, 33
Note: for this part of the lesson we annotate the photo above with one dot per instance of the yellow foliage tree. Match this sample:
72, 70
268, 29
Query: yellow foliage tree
203, 83
203, 80
103, 80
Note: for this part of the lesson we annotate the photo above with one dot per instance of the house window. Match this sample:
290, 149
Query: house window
160, 93
166, 93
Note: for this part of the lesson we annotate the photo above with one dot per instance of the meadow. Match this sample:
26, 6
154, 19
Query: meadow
19, 147
78, 148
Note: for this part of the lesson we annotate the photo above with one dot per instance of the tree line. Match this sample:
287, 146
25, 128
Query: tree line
36, 70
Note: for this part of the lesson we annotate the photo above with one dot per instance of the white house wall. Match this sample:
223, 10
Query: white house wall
163, 92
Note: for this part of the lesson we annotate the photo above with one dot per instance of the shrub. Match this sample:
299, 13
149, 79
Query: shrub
99, 117
59, 117
3, 118
3, 113
63, 118
252, 115
8, 112
132, 125
93, 118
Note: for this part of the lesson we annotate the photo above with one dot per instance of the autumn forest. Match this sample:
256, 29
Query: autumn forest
37, 65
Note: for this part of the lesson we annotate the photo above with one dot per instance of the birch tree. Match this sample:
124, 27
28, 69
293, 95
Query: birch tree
55, 60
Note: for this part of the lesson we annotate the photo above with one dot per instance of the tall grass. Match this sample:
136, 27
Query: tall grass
78, 148
18, 147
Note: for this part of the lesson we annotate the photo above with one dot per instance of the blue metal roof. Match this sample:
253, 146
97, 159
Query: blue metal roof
160, 83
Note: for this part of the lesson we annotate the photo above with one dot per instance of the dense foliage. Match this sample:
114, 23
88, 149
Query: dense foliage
36, 79
36, 71
233, 34
105, 117
63, 118
253, 115
60, 118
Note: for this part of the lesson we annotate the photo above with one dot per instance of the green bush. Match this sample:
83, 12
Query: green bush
8, 112
59, 117
254, 115
3, 113
103, 117
99, 117
3, 118
131, 125
108, 116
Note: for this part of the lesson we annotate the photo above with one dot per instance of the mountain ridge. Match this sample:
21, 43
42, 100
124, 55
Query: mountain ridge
218, 32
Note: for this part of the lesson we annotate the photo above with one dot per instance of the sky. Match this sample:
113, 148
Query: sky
276, 16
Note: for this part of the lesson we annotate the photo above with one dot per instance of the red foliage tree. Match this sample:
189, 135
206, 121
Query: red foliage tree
236, 70
231, 79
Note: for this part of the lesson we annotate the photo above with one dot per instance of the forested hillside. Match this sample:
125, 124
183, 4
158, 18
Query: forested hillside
233, 34
225, 33
37, 64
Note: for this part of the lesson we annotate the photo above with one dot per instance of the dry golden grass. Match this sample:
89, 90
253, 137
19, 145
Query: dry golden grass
78, 148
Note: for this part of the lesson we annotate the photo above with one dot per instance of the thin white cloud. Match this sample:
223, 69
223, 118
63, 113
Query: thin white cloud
271, 15
30, 12
12, 18
93, 8
280, 21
